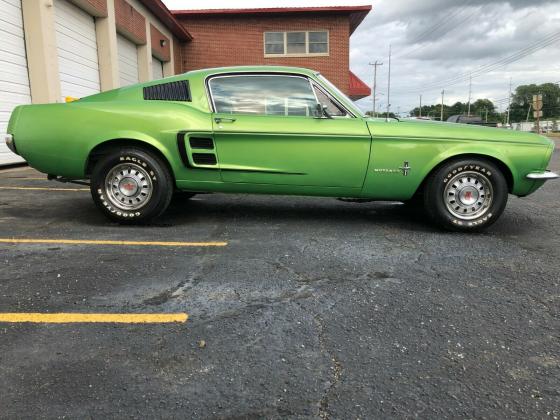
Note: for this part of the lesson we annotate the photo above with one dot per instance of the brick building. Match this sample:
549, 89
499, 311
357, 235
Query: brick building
52, 49
311, 37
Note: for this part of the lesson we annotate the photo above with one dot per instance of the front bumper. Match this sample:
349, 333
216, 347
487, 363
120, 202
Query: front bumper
543, 176
10, 143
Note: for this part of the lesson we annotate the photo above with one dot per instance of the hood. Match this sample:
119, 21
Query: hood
452, 131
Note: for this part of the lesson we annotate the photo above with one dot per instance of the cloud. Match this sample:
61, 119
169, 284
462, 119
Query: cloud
437, 40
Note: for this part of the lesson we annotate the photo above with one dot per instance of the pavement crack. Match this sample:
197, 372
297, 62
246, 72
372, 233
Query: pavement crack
336, 368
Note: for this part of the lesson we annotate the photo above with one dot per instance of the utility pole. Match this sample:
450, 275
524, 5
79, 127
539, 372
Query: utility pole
442, 96
420, 116
486, 110
470, 96
509, 103
389, 86
375, 65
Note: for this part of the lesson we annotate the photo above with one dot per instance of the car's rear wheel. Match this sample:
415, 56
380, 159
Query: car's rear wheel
466, 195
131, 185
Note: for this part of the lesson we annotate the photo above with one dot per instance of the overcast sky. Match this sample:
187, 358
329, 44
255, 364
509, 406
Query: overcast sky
437, 43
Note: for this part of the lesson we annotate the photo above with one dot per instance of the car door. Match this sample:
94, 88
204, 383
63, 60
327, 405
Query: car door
266, 132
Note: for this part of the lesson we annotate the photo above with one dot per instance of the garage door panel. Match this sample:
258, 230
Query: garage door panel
14, 80
13, 42
7, 157
11, 12
4, 119
10, 100
11, 27
76, 42
77, 35
73, 14
16, 88
78, 80
157, 69
14, 73
128, 61
70, 57
10, 57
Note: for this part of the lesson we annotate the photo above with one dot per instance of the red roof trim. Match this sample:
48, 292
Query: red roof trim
272, 10
356, 13
166, 17
357, 88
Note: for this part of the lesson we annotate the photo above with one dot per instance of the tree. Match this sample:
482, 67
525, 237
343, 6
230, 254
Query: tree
523, 98
479, 107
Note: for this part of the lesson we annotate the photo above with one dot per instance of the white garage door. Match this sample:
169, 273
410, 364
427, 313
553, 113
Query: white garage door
77, 50
128, 61
14, 81
157, 69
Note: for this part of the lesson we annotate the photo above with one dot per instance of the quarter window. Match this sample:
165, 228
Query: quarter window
333, 108
263, 95
296, 43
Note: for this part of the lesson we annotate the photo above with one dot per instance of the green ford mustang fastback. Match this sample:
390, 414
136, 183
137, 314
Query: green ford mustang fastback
271, 130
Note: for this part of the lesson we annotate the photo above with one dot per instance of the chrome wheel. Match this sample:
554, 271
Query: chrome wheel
128, 186
468, 195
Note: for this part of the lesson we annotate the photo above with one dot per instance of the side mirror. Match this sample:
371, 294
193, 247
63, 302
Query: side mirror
322, 111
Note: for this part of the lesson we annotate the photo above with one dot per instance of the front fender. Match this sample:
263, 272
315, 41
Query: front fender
385, 179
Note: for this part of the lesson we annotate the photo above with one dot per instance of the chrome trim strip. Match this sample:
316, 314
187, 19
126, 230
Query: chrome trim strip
543, 176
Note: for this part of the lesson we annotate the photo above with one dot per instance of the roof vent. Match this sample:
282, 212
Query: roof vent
171, 91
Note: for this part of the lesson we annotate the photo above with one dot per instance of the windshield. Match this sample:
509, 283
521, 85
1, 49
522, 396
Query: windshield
346, 100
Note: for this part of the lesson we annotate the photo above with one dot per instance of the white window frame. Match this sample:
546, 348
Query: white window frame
307, 53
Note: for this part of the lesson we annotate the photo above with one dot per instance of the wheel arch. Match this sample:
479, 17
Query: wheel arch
504, 168
101, 149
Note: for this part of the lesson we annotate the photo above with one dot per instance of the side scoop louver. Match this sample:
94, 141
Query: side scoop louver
204, 158
201, 143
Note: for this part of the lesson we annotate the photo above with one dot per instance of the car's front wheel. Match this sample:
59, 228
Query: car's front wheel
466, 194
131, 185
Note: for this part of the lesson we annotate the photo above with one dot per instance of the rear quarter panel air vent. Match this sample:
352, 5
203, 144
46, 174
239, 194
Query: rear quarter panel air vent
171, 91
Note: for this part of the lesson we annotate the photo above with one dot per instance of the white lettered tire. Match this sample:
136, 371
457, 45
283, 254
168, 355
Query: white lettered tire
131, 185
466, 194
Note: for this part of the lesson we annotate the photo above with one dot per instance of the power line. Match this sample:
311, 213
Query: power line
442, 22
532, 48
449, 29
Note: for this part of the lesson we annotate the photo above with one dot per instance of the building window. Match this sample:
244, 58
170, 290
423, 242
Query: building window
296, 44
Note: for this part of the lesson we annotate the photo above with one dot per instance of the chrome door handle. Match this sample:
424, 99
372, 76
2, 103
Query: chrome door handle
220, 120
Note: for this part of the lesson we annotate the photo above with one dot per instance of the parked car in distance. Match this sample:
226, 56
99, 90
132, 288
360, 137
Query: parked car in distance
472, 119
271, 130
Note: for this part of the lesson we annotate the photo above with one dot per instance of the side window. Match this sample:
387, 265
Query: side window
263, 95
332, 107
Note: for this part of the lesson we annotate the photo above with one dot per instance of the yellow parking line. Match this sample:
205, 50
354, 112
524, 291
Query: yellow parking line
44, 189
101, 242
66, 318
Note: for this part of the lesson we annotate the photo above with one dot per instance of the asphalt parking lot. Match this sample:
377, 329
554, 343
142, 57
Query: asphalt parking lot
297, 307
